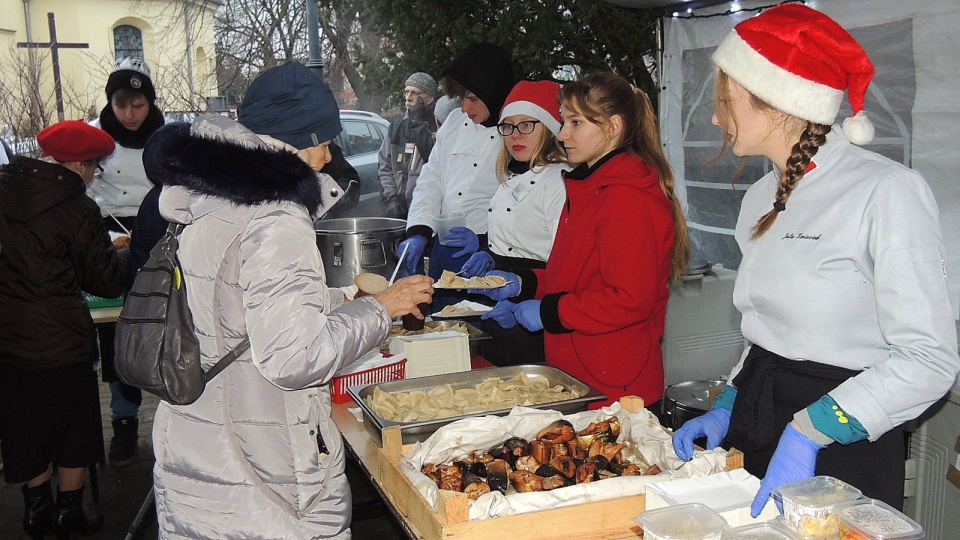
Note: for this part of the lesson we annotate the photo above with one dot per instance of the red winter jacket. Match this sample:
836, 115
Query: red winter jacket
604, 291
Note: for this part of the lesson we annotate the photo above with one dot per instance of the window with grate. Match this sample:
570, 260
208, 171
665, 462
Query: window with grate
128, 41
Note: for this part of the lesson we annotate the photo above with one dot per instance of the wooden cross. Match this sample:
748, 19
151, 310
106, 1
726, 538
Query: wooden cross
54, 47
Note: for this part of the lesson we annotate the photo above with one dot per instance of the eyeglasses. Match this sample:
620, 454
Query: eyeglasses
524, 128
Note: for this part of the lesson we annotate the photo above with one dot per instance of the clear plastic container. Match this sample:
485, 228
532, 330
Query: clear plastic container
692, 521
870, 519
808, 505
768, 530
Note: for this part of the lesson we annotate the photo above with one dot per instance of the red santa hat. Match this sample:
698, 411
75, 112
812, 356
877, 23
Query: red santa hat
800, 61
539, 100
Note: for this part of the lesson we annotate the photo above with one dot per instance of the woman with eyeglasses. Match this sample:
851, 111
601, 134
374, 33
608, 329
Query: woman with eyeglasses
601, 300
524, 211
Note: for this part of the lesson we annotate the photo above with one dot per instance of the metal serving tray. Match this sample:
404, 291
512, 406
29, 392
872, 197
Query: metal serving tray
419, 431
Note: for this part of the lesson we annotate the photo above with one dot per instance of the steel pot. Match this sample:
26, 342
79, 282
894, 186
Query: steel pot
350, 246
686, 401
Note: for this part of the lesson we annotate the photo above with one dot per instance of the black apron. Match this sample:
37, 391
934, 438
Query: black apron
771, 389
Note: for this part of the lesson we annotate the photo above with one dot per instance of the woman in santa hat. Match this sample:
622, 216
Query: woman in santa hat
841, 287
601, 300
524, 212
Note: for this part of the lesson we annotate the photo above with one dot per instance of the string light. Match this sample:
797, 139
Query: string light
735, 8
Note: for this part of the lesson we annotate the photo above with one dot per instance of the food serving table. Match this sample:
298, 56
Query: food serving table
105, 315
607, 519
363, 448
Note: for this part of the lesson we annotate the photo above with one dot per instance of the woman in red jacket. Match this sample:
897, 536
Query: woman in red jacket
622, 237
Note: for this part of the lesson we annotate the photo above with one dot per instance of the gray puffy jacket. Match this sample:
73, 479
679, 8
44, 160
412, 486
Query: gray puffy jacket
243, 461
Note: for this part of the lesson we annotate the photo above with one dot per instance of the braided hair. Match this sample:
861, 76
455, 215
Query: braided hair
811, 138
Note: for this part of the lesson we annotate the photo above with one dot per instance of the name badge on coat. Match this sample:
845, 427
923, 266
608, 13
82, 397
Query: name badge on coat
519, 193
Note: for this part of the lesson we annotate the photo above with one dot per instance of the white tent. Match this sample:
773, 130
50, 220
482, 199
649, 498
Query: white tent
912, 103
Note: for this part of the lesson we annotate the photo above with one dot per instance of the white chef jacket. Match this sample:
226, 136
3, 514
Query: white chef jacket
525, 211
123, 184
851, 274
460, 176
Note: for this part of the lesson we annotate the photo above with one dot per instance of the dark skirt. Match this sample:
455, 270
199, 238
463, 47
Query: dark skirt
49, 417
771, 389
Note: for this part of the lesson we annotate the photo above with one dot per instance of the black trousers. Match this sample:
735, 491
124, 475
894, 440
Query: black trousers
771, 388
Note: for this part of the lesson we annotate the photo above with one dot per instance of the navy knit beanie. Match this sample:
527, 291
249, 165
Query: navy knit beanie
290, 103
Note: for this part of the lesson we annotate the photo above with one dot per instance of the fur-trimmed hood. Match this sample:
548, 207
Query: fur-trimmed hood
217, 157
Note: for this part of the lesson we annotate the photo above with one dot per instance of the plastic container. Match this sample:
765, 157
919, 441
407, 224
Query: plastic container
808, 505
768, 530
692, 521
94, 302
390, 372
870, 519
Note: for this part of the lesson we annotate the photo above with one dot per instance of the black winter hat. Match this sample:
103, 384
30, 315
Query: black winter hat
486, 70
131, 73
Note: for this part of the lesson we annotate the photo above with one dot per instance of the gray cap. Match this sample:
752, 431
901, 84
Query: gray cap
445, 105
422, 81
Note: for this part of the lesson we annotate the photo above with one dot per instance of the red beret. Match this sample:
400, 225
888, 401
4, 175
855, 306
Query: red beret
75, 140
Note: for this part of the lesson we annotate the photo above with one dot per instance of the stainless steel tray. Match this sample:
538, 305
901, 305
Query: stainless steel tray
419, 431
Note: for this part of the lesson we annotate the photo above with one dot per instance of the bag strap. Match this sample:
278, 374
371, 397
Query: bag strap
228, 359
244, 345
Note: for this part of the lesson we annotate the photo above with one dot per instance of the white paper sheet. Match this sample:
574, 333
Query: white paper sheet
648, 442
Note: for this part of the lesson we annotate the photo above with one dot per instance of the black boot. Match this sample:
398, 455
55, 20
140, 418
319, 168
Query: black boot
39, 511
123, 445
71, 517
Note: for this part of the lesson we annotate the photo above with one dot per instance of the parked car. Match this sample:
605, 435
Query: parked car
363, 133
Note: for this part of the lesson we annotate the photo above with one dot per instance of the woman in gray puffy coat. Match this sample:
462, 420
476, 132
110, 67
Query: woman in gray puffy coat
246, 460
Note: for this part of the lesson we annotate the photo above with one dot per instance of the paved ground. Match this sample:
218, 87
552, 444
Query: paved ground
123, 491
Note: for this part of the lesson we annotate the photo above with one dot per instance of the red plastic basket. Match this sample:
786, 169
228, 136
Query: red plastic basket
390, 372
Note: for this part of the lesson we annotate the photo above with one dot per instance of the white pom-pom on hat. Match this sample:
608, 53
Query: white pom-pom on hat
858, 129
801, 62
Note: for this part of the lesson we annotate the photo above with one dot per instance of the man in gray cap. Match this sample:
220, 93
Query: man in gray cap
408, 145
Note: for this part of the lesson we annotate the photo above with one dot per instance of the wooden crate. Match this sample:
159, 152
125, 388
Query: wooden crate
609, 519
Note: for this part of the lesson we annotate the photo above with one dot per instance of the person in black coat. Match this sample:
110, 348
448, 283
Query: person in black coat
53, 246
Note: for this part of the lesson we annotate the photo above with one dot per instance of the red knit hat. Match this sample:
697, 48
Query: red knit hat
537, 99
75, 140
800, 61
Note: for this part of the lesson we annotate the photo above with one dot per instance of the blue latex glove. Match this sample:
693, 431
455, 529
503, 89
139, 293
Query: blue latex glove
414, 253
464, 238
511, 289
502, 313
794, 459
477, 265
714, 425
528, 315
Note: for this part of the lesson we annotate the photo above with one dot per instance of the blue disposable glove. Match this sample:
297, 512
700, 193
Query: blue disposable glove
528, 315
477, 265
714, 425
511, 289
464, 238
794, 459
414, 247
502, 313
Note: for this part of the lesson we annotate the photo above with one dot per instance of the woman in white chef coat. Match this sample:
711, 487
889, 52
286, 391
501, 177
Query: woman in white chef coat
524, 211
841, 287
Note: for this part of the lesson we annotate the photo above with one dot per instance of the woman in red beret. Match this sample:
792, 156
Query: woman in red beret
52, 246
